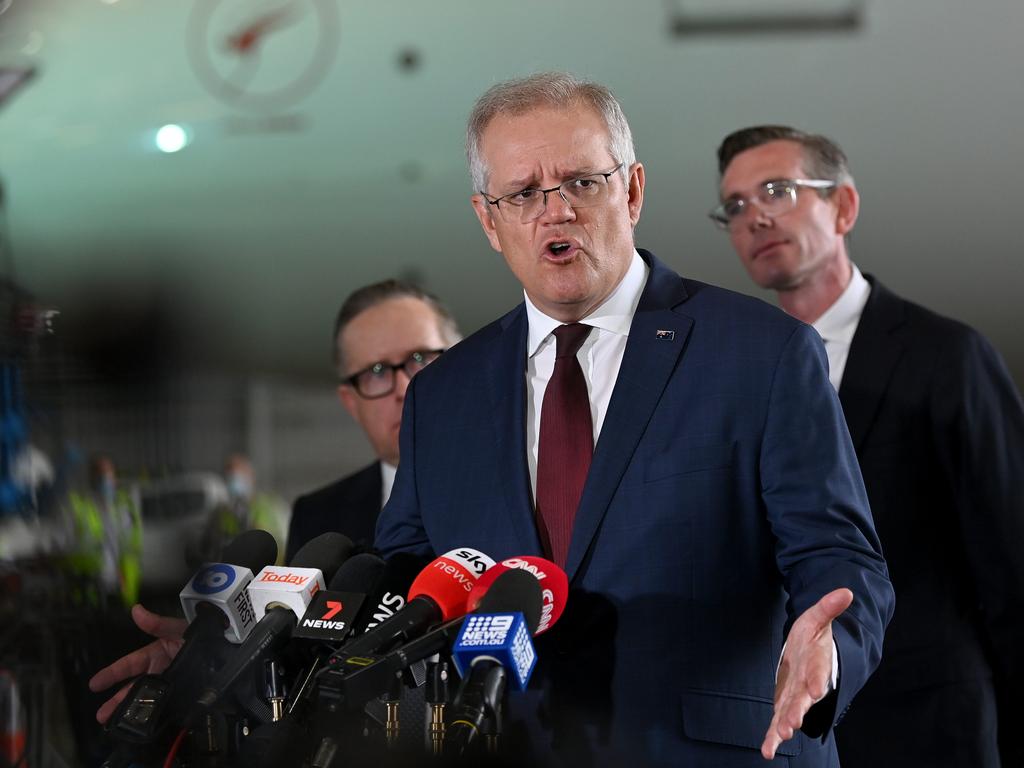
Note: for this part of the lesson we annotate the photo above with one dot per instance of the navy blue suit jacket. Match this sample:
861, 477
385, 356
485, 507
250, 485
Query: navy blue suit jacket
723, 500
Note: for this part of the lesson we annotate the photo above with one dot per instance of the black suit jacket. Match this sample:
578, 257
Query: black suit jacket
938, 427
349, 506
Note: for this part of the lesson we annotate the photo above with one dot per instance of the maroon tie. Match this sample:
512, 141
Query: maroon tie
566, 444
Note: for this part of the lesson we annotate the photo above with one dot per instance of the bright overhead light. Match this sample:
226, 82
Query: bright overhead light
171, 138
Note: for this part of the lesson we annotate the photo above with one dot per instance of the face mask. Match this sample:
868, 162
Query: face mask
239, 486
107, 489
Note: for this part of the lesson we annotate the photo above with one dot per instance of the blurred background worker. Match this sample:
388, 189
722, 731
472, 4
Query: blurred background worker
104, 539
245, 508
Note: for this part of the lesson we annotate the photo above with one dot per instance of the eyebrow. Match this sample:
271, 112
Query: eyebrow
530, 182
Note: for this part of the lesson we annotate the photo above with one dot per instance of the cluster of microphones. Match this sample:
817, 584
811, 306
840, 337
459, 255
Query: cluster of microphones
308, 664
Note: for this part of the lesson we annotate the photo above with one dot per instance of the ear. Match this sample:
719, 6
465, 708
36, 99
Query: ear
848, 207
484, 214
347, 397
635, 192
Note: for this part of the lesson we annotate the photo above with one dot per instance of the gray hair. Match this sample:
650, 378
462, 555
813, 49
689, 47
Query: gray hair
555, 90
369, 296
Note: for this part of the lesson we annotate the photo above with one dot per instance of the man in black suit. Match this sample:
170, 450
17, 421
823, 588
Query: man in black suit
383, 335
939, 431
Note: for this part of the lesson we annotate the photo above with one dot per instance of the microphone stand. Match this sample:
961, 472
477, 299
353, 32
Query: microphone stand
437, 698
490, 728
391, 700
479, 698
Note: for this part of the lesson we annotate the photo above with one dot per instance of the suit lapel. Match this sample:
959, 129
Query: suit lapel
647, 364
507, 365
874, 353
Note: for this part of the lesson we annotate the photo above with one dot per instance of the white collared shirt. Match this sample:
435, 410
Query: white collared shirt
599, 357
839, 323
836, 327
387, 481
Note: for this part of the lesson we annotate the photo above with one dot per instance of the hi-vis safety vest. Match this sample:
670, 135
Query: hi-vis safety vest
99, 535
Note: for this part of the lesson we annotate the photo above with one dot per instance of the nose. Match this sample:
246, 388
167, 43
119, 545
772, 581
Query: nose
756, 217
401, 383
557, 207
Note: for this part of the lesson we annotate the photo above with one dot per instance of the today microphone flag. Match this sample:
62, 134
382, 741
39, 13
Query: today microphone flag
285, 585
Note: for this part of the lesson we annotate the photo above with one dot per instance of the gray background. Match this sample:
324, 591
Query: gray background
239, 249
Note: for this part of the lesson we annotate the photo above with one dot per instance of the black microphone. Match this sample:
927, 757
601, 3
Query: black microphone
438, 593
217, 604
343, 608
360, 573
385, 594
357, 680
364, 589
358, 588
493, 647
281, 594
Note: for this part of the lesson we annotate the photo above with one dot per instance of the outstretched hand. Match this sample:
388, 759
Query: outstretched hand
150, 659
806, 668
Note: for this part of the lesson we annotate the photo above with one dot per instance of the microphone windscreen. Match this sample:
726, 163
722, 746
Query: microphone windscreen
359, 573
553, 581
514, 590
326, 553
254, 549
387, 594
449, 579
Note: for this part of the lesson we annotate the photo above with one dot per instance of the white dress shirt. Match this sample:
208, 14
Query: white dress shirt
837, 326
387, 481
599, 357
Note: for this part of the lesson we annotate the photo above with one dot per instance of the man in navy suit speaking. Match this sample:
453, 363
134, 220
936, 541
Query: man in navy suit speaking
676, 447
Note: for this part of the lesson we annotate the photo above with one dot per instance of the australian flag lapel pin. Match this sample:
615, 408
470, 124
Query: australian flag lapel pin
661, 335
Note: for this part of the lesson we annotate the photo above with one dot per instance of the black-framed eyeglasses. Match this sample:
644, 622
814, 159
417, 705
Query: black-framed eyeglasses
773, 198
378, 380
529, 204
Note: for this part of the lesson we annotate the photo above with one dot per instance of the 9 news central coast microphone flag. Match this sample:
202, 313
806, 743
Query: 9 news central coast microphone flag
280, 596
223, 587
219, 615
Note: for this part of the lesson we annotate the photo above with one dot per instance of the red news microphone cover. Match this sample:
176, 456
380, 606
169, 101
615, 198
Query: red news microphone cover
449, 580
553, 581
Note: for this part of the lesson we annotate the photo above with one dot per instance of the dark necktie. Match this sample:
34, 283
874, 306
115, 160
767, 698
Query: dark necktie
566, 444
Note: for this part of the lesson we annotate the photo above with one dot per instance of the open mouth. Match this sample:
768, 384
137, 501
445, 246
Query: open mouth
559, 248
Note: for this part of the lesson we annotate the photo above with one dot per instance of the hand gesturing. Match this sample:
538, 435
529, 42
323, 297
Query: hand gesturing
806, 668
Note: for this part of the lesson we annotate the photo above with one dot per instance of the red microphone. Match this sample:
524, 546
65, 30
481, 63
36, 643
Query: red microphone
553, 581
440, 592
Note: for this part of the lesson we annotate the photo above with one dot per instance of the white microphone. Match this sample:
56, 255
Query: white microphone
222, 586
